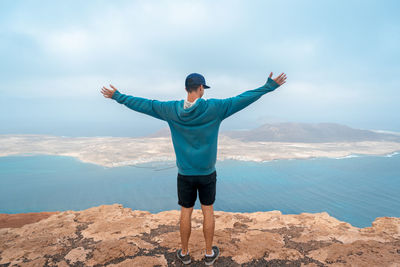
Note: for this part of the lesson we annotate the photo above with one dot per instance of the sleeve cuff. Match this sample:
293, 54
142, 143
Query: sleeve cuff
116, 95
271, 84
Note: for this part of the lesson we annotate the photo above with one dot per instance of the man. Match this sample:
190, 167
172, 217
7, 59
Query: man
194, 125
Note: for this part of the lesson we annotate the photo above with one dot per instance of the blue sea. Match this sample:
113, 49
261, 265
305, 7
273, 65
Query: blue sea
354, 189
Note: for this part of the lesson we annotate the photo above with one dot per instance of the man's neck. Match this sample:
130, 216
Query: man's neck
192, 98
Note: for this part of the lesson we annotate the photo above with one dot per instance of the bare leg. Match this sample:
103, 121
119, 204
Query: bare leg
208, 226
185, 227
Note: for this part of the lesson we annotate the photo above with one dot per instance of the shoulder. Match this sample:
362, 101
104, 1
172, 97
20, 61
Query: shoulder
216, 101
169, 102
213, 100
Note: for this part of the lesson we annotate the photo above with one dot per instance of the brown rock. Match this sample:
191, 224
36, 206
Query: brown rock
109, 250
20, 219
76, 254
111, 235
143, 261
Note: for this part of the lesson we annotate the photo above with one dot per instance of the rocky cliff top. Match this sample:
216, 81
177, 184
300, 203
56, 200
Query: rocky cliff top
111, 235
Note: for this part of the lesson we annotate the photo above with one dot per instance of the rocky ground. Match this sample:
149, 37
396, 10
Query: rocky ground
111, 235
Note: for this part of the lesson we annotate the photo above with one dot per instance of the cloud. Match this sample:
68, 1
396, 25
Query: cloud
67, 44
146, 48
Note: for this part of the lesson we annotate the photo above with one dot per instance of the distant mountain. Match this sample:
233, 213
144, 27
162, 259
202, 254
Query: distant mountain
302, 132
309, 133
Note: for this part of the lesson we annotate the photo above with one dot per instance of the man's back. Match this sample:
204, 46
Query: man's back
194, 133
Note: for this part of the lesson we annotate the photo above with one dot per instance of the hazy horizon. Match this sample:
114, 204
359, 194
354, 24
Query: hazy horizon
149, 133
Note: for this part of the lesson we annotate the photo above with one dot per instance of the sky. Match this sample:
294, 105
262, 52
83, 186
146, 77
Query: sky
341, 59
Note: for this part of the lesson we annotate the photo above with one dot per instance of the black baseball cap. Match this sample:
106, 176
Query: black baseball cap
194, 79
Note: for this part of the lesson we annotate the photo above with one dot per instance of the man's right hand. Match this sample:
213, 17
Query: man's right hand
108, 93
281, 79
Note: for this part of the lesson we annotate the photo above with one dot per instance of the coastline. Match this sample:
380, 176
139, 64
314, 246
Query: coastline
125, 151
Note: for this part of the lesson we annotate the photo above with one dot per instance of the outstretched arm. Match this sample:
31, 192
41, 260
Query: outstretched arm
154, 108
234, 104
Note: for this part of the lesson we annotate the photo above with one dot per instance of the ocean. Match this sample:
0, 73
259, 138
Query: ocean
354, 189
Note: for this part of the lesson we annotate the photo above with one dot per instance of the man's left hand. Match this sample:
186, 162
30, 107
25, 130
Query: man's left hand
108, 93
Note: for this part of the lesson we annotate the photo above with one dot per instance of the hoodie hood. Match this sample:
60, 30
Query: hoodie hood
188, 103
193, 112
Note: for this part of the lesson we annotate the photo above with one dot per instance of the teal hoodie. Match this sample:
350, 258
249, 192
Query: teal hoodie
194, 130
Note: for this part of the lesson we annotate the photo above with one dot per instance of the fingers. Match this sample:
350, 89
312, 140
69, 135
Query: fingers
281, 79
270, 75
106, 92
113, 87
104, 89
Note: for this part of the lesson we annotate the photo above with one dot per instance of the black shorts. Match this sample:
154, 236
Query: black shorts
189, 184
